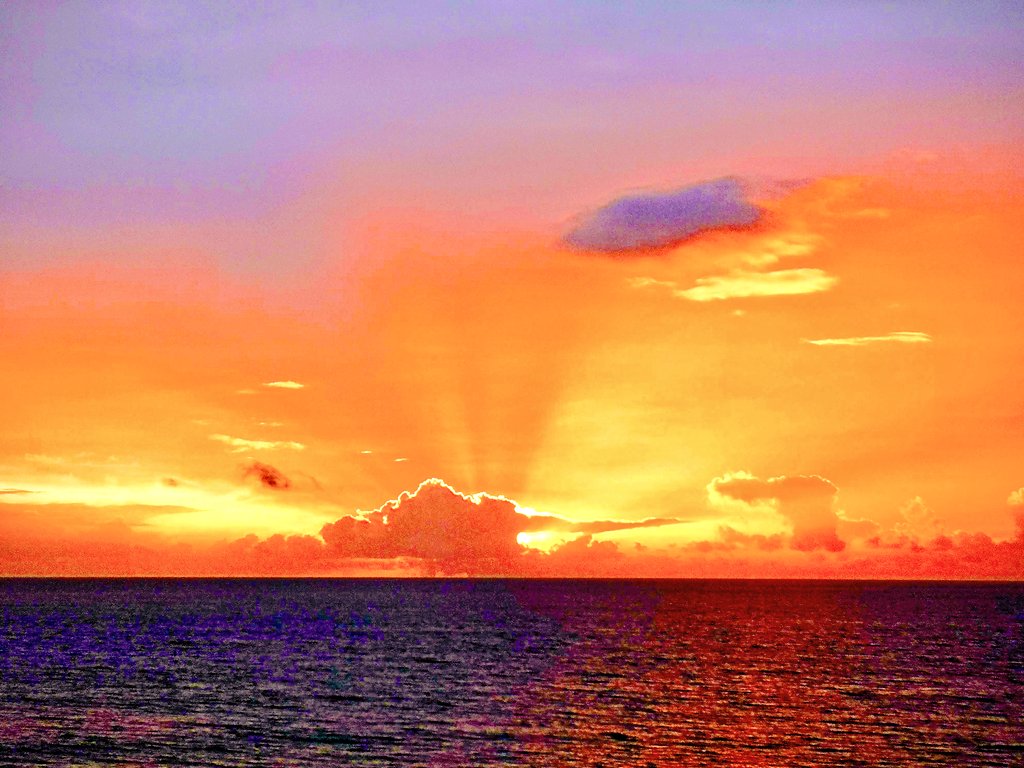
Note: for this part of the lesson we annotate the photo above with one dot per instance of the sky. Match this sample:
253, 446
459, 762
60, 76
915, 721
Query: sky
529, 289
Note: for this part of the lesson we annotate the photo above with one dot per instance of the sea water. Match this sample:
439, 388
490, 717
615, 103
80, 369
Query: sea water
334, 672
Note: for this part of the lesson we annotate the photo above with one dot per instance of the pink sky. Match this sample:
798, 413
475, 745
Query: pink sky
269, 276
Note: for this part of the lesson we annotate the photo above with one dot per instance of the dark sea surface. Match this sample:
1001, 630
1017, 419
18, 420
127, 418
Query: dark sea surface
473, 673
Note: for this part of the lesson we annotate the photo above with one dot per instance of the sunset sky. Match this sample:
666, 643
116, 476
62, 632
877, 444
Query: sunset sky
538, 289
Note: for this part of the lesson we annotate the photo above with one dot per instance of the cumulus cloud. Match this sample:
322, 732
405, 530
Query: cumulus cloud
268, 476
458, 533
730, 538
240, 444
740, 284
582, 556
898, 337
277, 554
284, 385
463, 533
851, 529
1016, 502
918, 521
657, 220
806, 501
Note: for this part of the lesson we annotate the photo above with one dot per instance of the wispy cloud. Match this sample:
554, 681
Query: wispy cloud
740, 284
773, 248
239, 444
540, 522
650, 282
898, 337
284, 385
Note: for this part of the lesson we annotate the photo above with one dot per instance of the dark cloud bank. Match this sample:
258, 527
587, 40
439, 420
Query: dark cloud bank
661, 219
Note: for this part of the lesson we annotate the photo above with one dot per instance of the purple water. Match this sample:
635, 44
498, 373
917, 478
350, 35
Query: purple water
450, 672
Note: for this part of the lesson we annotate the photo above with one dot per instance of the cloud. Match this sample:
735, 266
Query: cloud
555, 524
460, 533
859, 529
806, 501
240, 444
918, 521
581, 556
773, 248
1016, 502
268, 476
730, 538
276, 554
657, 220
650, 282
284, 385
898, 337
13, 491
741, 284
456, 533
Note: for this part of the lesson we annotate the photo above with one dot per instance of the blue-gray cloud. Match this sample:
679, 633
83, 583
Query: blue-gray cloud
660, 219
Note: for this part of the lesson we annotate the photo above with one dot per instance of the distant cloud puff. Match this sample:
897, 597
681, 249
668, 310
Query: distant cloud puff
240, 444
1016, 502
807, 501
269, 477
284, 385
656, 220
899, 337
918, 522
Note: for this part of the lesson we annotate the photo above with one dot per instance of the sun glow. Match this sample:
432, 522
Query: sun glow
542, 541
181, 508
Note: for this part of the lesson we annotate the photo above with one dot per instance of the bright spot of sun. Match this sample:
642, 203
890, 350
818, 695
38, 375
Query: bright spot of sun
545, 541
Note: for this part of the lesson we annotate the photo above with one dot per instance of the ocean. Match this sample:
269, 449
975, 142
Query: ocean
375, 672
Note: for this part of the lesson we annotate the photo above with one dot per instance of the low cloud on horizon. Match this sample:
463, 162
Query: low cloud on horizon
897, 337
437, 530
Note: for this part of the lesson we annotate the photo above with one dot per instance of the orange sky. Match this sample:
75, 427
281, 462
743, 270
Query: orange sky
651, 290
871, 396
